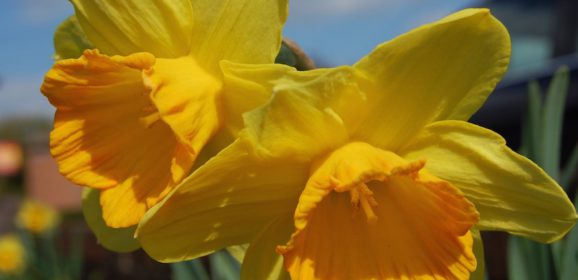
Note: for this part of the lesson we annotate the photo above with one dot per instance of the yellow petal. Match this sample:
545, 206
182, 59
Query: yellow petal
107, 133
187, 99
162, 27
303, 119
261, 260
319, 107
245, 31
225, 202
115, 239
510, 192
247, 86
444, 70
366, 213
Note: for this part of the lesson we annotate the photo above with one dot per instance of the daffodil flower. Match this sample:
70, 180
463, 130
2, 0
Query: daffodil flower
37, 217
134, 114
367, 172
12, 256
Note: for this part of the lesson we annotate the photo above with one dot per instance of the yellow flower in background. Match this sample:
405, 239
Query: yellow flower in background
36, 217
367, 172
12, 258
133, 114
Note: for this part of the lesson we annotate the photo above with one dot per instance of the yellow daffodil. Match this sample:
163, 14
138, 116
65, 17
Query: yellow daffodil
11, 255
367, 172
37, 217
133, 114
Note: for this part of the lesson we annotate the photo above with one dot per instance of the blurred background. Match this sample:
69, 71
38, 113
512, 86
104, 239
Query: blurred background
333, 32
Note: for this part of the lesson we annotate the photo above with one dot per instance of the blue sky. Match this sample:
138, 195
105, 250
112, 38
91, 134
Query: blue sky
333, 31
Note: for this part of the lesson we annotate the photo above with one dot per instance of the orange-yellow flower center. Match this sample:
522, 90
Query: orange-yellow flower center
362, 195
131, 126
414, 225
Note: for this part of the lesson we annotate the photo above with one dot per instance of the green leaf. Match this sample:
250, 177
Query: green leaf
552, 119
115, 239
569, 267
193, 269
528, 259
69, 39
534, 121
517, 260
75, 257
542, 143
224, 266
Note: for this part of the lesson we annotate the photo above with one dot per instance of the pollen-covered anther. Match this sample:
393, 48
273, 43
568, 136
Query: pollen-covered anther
362, 195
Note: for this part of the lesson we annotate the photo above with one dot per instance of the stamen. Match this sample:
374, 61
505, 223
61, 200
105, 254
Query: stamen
361, 194
354, 193
365, 189
368, 209
368, 194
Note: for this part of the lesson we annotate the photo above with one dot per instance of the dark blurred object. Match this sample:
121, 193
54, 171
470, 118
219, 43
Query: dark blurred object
9, 204
103, 264
541, 30
554, 20
293, 55
495, 246
565, 27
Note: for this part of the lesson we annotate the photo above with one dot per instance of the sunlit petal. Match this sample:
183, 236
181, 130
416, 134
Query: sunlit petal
303, 119
246, 31
261, 260
246, 87
512, 193
107, 133
227, 201
443, 70
161, 27
187, 99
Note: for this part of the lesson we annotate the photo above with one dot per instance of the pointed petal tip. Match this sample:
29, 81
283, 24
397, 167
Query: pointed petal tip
512, 193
